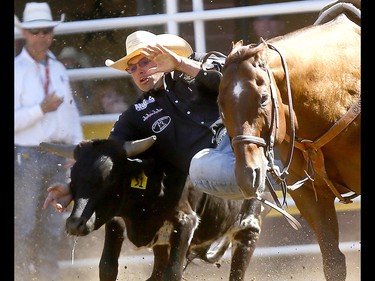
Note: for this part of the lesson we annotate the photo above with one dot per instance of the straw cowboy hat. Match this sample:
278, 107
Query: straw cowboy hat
140, 39
37, 15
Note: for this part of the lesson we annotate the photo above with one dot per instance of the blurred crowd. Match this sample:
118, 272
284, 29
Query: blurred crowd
99, 96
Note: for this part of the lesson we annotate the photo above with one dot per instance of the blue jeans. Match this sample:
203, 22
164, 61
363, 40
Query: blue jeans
40, 241
212, 171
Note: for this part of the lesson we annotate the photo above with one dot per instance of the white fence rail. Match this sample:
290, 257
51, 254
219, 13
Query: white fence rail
171, 19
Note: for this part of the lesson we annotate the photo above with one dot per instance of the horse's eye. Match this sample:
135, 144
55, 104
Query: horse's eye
264, 98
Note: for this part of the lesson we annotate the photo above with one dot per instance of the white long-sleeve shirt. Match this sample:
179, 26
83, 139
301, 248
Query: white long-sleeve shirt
31, 125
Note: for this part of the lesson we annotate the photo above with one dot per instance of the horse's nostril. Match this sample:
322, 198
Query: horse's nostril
249, 180
256, 178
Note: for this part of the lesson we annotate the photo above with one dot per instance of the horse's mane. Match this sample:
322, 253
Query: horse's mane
243, 53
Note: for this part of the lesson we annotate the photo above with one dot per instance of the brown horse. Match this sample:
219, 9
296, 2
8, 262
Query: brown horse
310, 113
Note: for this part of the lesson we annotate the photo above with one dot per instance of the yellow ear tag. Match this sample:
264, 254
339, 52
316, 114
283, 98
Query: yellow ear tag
140, 181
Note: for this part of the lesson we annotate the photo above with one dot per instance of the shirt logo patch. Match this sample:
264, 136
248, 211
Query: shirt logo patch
144, 103
149, 114
160, 124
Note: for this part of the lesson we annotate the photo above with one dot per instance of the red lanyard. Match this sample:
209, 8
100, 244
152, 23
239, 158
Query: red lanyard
46, 82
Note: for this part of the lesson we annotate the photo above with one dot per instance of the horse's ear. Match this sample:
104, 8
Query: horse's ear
263, 44
236, 46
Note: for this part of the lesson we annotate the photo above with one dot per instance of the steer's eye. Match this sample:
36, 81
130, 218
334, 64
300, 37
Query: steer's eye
105, 165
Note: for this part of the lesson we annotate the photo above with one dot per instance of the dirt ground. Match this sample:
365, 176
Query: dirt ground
269, 262
296, 268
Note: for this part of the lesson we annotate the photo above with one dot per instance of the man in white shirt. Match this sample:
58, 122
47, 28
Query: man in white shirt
44, 111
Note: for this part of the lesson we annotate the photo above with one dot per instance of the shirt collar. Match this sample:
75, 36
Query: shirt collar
25, 54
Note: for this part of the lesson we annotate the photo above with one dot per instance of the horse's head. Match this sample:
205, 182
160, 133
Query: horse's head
250, 106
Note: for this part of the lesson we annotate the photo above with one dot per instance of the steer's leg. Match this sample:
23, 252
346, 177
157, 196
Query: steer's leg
186, 224
160, 262
114, 237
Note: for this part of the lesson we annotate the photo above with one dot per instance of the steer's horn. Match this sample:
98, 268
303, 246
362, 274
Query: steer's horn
63, 150
136, 147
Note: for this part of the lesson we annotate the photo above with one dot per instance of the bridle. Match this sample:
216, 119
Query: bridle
274, 170
309, 148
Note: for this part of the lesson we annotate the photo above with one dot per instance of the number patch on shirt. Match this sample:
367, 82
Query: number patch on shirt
139, 182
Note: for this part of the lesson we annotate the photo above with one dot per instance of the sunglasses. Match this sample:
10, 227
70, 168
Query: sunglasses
133, 67
44, 31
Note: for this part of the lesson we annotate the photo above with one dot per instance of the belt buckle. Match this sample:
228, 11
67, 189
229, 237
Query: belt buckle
25, 155
21, 156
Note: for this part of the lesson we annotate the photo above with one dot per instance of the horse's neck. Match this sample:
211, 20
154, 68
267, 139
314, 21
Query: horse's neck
314, 100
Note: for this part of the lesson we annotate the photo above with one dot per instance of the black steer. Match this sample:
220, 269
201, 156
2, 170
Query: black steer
110, 188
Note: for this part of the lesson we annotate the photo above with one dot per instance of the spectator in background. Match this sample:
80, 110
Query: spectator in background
268, 27
109, 98
44, 111
18, 45
73, 59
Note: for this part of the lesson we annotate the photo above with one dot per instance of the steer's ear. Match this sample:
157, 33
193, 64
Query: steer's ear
138, 165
